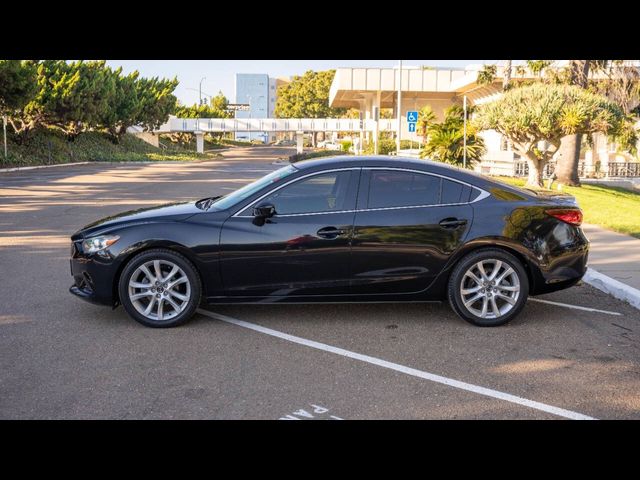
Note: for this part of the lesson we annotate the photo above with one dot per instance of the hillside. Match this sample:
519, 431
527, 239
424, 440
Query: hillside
49, 147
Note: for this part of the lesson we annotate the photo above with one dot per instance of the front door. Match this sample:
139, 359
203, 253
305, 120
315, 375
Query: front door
407, 226
303, 249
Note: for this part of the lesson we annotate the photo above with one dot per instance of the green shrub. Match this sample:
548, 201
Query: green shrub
385, 147
346, 145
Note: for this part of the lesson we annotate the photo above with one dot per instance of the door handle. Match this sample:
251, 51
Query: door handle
330, 232
452, 223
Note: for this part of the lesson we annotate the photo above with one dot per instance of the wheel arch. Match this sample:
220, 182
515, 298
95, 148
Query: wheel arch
144, 247
521, 253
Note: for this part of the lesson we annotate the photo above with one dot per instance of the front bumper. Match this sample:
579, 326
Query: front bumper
92, 277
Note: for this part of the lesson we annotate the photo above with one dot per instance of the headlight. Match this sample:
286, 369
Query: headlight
95, 244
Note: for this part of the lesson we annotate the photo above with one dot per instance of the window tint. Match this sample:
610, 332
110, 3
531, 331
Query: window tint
454, 192
389, 188
320, 193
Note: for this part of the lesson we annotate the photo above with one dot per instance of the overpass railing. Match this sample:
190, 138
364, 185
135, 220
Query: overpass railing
278, 124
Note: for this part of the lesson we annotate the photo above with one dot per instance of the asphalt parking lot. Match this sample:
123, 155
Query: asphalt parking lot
63, 358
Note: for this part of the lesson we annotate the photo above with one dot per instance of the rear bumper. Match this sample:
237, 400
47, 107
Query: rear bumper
562, 272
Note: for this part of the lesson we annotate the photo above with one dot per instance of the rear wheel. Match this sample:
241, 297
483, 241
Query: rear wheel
488, 288
160, 288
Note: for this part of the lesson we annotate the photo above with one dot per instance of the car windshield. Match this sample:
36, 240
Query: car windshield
233, 198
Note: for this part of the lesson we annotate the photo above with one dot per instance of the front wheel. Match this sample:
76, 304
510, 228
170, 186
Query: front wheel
160, 288
488, 288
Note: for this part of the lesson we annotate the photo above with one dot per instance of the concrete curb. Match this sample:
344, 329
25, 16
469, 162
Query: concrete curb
17, 169
613, 287
142, 162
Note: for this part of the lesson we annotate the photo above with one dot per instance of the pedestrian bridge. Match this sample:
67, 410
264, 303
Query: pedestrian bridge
275, 125
200, 126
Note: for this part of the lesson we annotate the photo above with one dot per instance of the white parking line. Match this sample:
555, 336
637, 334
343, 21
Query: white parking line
543, 407
575, 307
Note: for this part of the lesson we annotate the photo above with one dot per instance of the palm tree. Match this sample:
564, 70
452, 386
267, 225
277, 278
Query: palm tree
426, 118
506, 80
487, 75
446, 140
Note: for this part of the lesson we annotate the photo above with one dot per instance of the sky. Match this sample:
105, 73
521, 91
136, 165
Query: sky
220, 73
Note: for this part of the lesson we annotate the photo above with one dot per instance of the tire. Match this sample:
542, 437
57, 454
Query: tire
464, 287
175, 297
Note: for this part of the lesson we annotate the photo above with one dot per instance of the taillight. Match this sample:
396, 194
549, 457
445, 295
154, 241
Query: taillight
570, 216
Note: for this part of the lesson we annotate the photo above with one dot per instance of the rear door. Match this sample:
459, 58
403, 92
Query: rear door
407, 224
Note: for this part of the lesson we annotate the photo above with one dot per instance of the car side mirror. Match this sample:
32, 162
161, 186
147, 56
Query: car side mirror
261, 213
264, 211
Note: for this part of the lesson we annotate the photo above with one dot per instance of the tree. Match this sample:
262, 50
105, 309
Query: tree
220, 103
124, 105
487, 75
540, 114
426, 118
538, 67
506, 81
157, 101
307, 96
17, 88
17, 85
445, 140
569, 154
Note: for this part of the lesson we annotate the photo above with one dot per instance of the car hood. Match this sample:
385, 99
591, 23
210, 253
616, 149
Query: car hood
167, 212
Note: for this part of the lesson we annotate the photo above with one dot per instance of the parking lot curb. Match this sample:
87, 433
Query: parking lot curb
613, 287
17, 169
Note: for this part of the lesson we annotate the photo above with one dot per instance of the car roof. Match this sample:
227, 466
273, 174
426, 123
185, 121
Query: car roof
342, 161
430, 166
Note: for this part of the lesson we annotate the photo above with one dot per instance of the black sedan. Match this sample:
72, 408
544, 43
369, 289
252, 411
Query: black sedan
342, 229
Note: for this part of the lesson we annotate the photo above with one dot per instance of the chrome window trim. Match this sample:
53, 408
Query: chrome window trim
483, 193
293, 181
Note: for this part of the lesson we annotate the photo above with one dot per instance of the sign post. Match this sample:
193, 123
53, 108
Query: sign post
412, 120
464, 147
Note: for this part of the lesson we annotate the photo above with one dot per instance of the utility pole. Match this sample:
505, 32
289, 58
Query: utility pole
4, 130
464, 147
203, 78
399, 112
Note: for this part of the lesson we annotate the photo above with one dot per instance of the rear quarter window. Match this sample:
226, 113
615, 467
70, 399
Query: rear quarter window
454, 192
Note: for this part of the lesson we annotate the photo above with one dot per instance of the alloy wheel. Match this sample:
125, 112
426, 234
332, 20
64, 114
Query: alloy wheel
490, 288
159, 290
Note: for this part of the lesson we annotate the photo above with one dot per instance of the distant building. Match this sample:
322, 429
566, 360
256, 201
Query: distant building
259, 91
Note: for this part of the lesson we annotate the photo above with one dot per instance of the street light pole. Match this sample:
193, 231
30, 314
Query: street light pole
399, 112
203, 78
464, 145
4, 130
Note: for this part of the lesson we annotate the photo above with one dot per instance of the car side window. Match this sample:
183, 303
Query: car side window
325, 192
391, 188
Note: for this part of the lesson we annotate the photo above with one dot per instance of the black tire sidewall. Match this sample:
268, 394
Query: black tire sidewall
160, 254
455, 297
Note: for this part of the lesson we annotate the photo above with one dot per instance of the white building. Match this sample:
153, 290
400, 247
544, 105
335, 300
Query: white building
369, 89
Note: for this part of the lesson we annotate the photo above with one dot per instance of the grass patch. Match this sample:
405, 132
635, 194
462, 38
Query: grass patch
49, 147
613, 208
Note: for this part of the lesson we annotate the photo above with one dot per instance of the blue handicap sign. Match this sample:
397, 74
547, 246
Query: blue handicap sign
412, 127
412, 116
